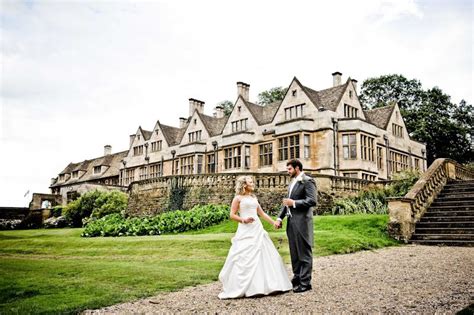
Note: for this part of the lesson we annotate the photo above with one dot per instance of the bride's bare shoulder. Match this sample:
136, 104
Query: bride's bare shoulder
237, 198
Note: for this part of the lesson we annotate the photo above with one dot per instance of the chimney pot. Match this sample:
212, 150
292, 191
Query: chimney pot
107, 149
243, 90
336, 78
354, 82
195, 104
219, 111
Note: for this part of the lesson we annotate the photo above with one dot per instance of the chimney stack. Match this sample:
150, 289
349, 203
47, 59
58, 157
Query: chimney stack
243, 89
336, 78
219, 111
132, 137
354, 82
195, 104
107, 149
182, 122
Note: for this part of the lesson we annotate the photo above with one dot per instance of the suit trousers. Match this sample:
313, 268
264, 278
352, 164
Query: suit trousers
301, 252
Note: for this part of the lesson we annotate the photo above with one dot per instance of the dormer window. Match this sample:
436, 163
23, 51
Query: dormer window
195, 136
397, 130
61, 177
75, 174
293, 93
138, 150
350, 111
239, 125
156, 146
294, 112
97, 169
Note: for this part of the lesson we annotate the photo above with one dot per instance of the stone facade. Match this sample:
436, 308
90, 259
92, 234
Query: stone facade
101, 173
327, 130
336, 140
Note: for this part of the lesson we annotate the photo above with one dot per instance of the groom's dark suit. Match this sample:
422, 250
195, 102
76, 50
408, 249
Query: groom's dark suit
300, 229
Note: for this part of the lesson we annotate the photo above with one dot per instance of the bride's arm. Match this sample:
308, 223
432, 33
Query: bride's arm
265, 216
233, 212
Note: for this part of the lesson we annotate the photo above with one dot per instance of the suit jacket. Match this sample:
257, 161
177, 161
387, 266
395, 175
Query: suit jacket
304, 194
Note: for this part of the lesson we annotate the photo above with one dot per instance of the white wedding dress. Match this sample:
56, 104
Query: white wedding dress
253, 265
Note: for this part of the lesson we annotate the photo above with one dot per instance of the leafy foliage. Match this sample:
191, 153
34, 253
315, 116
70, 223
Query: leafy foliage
177, 221
373, 200
228, 106
94, 204
272, 95
429, 115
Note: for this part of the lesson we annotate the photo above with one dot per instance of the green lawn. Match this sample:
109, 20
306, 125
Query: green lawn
51, 271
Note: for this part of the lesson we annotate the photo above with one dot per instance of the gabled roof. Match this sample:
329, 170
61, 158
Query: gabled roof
145, 133
380, 116
172, 135
328, 98
213, 125
70, 168
112, 161
263, 114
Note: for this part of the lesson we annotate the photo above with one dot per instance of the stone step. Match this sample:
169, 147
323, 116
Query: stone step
423, 230
454, 197
459, 186
448, 218
445, 224
446, 213
444, 242
453, 203
464, 237
448, 208
466, 189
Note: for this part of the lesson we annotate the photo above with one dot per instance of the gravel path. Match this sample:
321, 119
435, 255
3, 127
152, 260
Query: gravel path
408, 279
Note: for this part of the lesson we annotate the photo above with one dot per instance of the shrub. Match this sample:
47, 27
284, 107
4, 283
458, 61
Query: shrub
57, 211
373, 200
95, 204
177, 221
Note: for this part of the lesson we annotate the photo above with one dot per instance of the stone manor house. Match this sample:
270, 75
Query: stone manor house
326, 129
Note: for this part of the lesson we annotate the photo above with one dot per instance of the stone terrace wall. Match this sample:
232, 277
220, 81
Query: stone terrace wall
153, 196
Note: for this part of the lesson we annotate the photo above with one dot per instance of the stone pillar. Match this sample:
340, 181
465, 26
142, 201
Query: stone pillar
401, 225
451, 169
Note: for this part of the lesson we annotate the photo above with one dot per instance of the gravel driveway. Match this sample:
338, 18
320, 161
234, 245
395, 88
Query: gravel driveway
406, 279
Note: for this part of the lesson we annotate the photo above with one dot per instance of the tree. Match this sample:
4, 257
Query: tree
272, 95
228, 106
429, 115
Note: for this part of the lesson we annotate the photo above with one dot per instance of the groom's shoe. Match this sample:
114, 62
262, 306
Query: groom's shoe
302, 288
295, 283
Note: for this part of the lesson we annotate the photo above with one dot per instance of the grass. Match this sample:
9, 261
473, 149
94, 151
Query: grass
57, 271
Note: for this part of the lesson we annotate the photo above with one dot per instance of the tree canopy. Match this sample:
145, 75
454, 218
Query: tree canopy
272, 95
429, 115
228, 106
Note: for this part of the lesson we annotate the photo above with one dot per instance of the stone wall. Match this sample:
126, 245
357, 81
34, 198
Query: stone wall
153, 196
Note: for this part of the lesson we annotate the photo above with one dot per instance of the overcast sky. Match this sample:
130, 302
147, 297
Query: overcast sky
77, 75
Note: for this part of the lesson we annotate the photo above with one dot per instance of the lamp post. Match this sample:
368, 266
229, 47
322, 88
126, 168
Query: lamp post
385, 137
214, 144
173, 152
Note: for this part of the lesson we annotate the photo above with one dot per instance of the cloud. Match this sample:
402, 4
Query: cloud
75, 76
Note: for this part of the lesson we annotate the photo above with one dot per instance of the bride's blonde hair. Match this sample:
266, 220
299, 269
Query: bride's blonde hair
241, 184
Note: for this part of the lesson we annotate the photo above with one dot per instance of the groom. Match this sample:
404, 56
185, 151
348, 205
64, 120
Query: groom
297, 207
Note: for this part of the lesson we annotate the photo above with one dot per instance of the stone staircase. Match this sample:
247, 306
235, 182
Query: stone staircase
450, 218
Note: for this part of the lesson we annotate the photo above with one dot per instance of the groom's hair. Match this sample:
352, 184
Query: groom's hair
295, 163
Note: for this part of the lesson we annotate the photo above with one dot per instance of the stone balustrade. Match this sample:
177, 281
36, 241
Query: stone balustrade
155, 195
406, 211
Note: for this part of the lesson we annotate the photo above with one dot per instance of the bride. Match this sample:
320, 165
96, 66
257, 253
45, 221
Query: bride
253, 265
